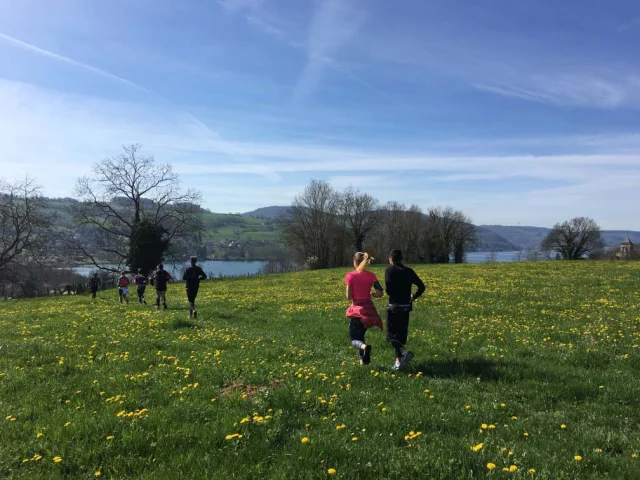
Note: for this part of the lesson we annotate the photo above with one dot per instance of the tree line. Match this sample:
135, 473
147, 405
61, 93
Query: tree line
132, 213
324, 227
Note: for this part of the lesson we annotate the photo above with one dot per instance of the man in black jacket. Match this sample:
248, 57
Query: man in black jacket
192, 275
399, 281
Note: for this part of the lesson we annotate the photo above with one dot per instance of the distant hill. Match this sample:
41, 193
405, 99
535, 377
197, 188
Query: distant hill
490, 240
531, 237
521, 237
267, 213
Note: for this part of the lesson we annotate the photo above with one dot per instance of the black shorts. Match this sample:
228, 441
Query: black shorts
141, 290
356, 329
397, 327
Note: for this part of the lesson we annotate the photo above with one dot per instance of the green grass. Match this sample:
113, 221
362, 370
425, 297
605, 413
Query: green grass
132, 392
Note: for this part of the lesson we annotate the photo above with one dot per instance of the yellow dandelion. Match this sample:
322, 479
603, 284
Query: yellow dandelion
354, 439
57, 459
491, 466
484, 426
597, 450
513, 468
526, 434
634, 455
110, 437
478, 447
305, 440
39, 435
532, 470
563, 426
577, 458
331, 471
97, 474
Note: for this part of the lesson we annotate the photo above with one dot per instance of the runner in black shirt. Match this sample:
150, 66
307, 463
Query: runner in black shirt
159, 280
192, 275
94, 285
399, 281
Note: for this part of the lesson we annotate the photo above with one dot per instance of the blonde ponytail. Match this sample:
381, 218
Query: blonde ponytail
363, 260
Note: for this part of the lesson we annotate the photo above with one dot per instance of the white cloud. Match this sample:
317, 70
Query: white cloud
56, 138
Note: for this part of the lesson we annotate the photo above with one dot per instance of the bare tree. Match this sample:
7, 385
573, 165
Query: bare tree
310, 225
464, 236
360, 211
575, 239
124, 191
24, 223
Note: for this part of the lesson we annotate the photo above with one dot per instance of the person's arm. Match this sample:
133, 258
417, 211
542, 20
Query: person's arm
349, 292
203, 276
184, 275
420, 284
377, 289
387, 282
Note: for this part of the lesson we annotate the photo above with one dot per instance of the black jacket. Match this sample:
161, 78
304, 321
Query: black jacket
398, 284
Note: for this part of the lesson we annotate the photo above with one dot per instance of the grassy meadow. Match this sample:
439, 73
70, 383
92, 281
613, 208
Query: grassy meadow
525, 371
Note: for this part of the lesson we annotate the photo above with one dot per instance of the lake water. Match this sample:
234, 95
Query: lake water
214, 268
218, 268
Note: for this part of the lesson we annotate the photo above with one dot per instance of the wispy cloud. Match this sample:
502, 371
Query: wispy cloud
573, 90
633, 23
334, 24
70, 61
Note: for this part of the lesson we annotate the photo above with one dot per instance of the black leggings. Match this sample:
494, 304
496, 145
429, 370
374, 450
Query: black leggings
397, 330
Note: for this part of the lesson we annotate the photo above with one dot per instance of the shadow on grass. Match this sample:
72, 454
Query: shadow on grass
181, 323
454, 368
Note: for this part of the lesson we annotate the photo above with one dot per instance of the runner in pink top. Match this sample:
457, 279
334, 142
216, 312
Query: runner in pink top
362, 313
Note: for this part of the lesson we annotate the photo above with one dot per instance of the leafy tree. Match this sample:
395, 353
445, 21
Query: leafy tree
148, 244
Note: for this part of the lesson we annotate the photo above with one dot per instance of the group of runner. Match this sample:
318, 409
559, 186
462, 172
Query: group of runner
158, 279
363, 286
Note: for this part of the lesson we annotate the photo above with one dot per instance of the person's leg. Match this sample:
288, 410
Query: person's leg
158, 293
120, 294
392, 334
194, 295
164, 299
357, 333
402, 329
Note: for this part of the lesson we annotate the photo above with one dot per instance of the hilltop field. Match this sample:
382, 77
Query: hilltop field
522, 370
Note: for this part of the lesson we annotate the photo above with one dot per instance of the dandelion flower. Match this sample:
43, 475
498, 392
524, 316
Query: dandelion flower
57, 459
97, 474
40, 434
484, 426
526, 434
331, 471
563, 426
577, 458
305, 440
532, 470
478, 447
491, 466
634, 455
597, 450
354, 439
110, 437
513, 468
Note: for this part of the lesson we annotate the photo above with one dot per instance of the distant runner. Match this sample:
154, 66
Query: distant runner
160, 279
123, 288
141, 285
192, 275
94, 285
398, 283
362, 313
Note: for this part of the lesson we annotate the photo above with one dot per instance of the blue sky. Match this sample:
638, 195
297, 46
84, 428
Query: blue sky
515, 112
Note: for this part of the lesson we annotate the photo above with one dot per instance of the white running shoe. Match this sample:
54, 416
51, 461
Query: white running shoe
407, 356
397, 365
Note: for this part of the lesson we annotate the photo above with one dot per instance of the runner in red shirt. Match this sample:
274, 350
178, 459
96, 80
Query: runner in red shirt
123, 288
362, 313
